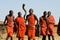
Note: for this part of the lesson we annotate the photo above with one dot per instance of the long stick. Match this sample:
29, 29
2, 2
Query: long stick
23, 6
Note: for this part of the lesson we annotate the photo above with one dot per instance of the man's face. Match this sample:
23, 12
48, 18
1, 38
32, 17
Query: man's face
11, 13
49, 13
19, 14
31, 11
45, 13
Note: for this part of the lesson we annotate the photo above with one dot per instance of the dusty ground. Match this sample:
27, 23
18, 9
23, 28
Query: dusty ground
3, 36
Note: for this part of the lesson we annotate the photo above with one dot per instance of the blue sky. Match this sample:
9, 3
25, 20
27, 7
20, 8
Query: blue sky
39, 6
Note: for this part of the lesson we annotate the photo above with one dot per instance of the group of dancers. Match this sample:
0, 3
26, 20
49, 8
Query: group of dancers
46, 25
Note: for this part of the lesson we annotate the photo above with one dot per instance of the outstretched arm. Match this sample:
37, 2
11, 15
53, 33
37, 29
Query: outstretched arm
5, 20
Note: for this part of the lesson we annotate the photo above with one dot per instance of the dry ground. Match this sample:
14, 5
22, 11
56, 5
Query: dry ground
3, 36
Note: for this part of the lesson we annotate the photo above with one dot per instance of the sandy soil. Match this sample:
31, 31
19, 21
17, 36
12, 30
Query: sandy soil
3, 35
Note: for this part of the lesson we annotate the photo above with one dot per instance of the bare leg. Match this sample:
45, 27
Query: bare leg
44, 37
18, 38
11, 38
29, 38
53, 38
7, 37
49, 37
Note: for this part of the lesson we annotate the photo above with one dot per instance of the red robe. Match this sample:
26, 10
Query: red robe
21, 26
43, 26
51, 22
31, 26
10, 25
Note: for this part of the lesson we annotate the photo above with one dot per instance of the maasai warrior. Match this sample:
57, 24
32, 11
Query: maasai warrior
31, 18
50, 28
21, 26
58, 29
43, 25
9, 21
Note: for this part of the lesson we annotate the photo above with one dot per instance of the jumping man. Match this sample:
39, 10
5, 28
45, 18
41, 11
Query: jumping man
9, 21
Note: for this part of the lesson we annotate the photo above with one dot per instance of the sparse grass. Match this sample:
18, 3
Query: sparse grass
3, 36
